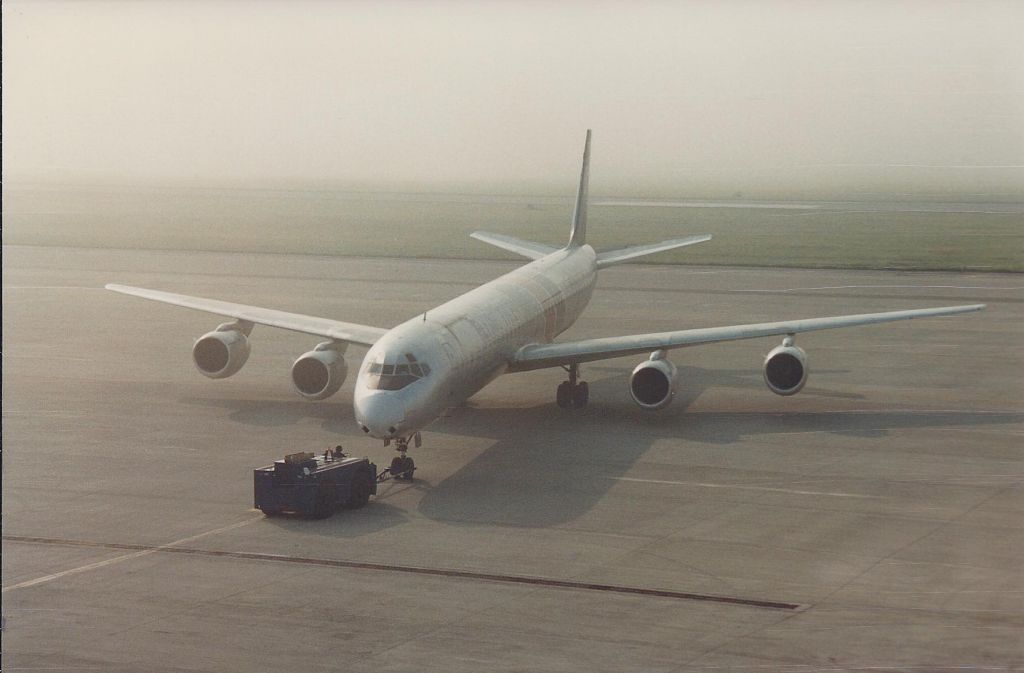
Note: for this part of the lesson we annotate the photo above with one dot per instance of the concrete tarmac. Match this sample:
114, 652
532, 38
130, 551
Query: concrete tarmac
880, 510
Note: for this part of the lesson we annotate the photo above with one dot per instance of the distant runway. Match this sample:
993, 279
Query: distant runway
871, 522
833, 206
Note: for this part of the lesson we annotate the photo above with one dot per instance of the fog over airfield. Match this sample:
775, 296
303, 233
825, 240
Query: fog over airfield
465, 93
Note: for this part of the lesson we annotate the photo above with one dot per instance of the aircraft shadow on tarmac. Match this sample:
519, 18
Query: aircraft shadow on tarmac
272, 413
548, 466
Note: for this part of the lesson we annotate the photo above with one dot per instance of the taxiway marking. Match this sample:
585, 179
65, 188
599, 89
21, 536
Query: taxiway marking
887, 287
126, 557
50, 287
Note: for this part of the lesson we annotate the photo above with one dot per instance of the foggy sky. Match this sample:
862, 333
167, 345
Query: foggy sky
503, 91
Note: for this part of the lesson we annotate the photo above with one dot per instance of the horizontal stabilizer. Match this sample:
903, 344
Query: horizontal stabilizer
527, 249
625, 254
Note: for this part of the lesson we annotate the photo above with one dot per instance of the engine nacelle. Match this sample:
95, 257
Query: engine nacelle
222, 352
652, 385
785, 369
319, 373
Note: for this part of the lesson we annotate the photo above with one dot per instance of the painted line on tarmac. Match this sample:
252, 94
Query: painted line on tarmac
43, 411
387, 567
143, 551
49, 358
887, 287
744, 488
740, 205
50, 287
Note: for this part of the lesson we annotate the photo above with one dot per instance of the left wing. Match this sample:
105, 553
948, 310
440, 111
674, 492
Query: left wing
325, 327
538, 356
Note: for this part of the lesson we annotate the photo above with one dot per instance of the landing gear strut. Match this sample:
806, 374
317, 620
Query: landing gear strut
573, 394
402, 466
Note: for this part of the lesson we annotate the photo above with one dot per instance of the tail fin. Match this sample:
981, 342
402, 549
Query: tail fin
578, 236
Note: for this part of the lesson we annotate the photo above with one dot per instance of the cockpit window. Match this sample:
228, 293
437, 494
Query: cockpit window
395, 376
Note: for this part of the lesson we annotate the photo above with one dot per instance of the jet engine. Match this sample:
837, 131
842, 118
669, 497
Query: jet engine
319, 373
785, 369
222, 352
652, 384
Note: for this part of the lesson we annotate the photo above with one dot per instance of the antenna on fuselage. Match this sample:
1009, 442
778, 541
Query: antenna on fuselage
578, 236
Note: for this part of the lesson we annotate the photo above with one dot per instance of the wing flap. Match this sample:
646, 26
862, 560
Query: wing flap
296, 322
538, 356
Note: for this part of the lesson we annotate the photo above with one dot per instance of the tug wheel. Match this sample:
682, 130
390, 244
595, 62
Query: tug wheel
322, 505
362, 484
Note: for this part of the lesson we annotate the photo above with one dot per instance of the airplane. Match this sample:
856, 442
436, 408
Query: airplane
437, 360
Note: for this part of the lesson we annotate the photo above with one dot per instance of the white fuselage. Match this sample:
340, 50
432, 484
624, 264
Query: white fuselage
439, 359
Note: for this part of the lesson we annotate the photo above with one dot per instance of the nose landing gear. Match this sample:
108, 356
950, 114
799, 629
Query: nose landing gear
402, 466
572, 394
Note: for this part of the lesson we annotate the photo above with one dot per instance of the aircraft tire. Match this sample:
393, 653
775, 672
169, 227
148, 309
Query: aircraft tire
581, 395
402, 467
564, 395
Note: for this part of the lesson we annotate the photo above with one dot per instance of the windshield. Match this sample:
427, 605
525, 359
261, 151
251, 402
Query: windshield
385, 375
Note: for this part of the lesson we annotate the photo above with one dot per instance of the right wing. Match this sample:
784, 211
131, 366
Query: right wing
539, 356
324, 327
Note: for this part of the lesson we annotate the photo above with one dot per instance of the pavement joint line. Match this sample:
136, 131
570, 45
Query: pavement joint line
743, 487
140, 550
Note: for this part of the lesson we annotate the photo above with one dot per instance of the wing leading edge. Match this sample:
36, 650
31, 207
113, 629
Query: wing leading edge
539, 356
296, 322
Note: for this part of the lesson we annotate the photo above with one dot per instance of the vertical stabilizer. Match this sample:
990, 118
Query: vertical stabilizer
579, 214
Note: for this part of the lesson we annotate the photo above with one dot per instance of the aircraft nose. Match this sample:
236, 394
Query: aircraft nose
381, 414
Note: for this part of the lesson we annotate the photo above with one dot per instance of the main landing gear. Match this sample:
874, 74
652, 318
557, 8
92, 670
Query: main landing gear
572, 394
402, 466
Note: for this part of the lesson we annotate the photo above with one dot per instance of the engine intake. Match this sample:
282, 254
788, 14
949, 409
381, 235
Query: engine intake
652, 385
222, 352
785, 369
319, 373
